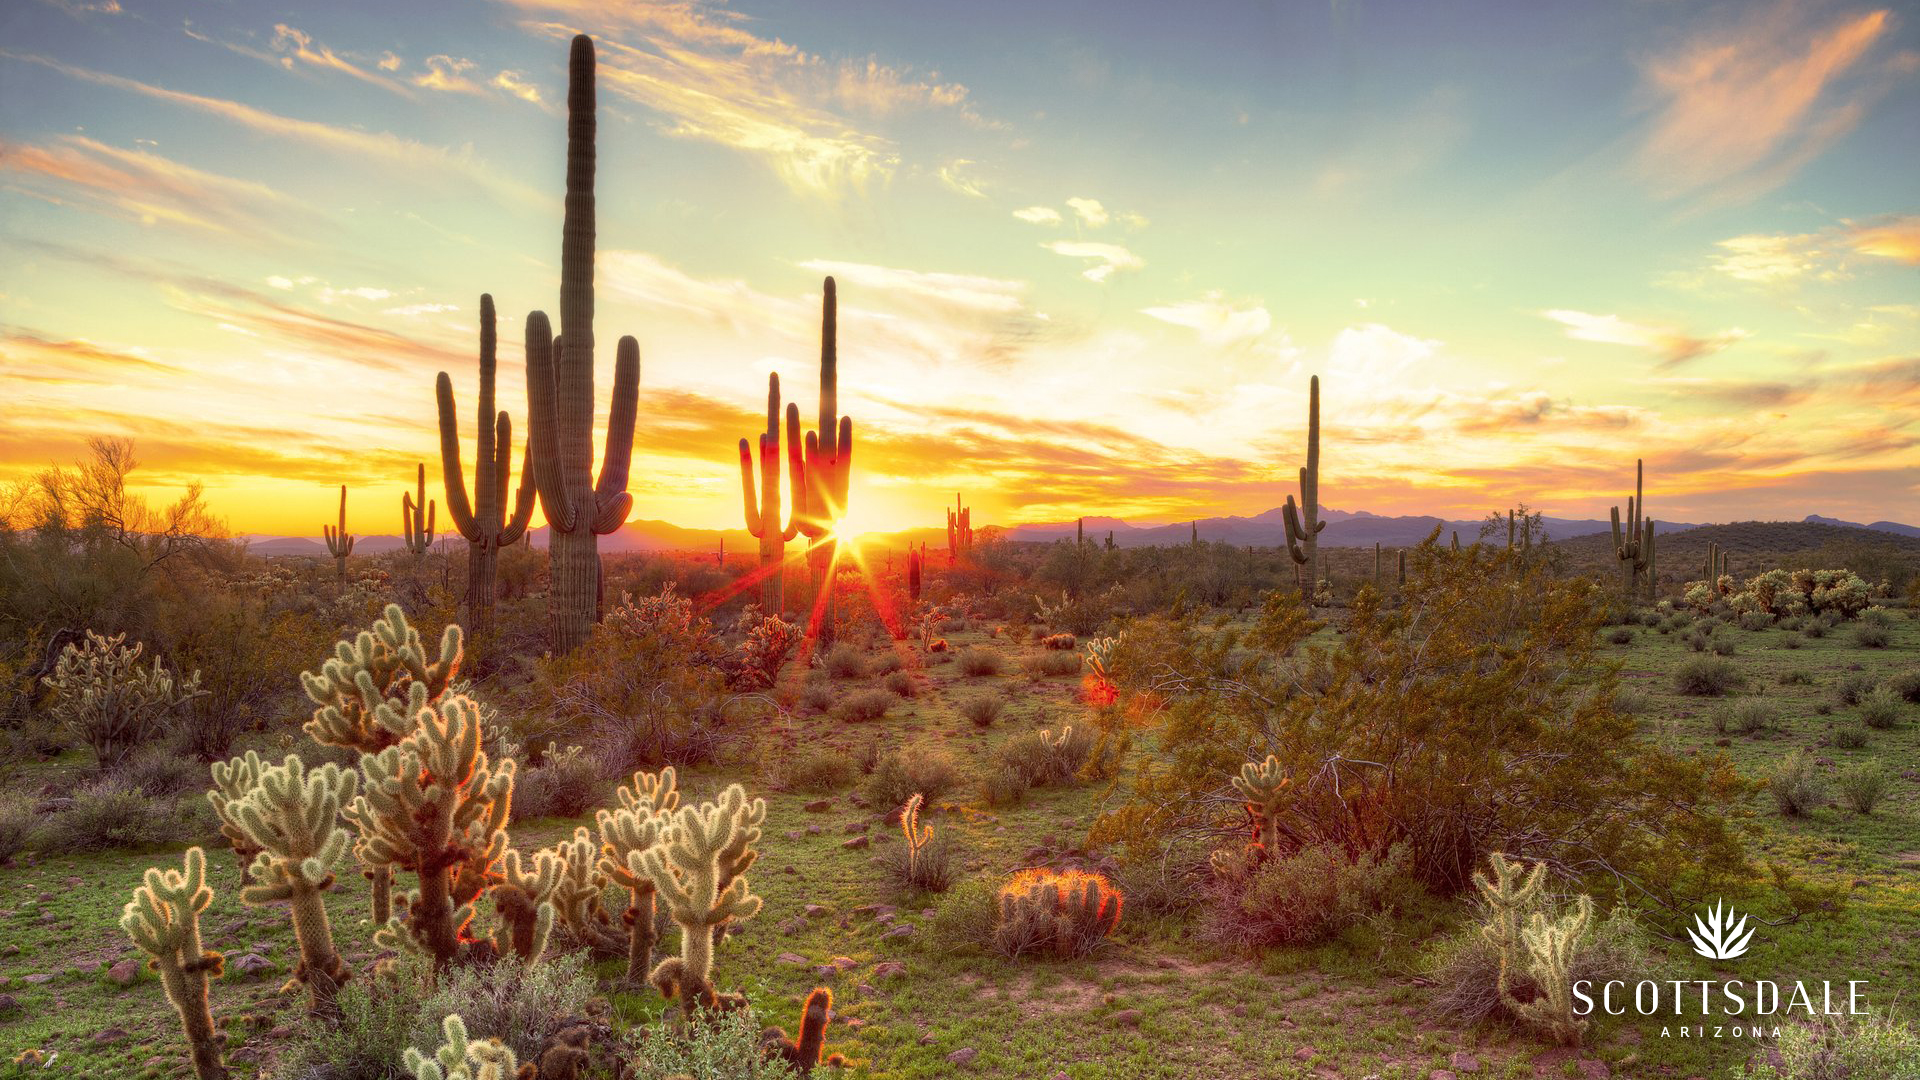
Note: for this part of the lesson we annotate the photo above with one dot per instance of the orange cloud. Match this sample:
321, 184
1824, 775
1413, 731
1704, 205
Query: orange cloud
1674, 347
1898, 238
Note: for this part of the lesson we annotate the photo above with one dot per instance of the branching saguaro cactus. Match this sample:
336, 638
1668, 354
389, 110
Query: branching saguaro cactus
435, 806
698, 871
824, 470
416, 517
1303, 522
1633, 546
292, 817
763, 513
803, 1053
959, 530
363, 697
461, 1058
560, 394
339, 541
640, 824
484, 522
163, 919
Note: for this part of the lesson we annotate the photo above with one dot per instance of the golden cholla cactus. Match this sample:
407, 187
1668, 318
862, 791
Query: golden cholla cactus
163, 919
292, 817
577, 896
1552, 945
917, 837
1263, 785
697, 869
646, 806
461, 1058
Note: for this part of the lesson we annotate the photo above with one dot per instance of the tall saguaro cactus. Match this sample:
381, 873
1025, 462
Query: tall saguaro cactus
1635, 543
959, 530
339, 541
416, 517
560, 394
825, 468
163, 919
763, 513
484, 522
1303, 522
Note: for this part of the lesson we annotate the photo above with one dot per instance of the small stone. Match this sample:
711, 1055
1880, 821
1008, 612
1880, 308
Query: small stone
825, 971
929, 1039
9, 1004
963, 1056
109, 1035
36, 980
1128, 1018
283, 1031
1463, 1062
816, 911
1441, 1074
818, 806
855, 843
853, 827
252, 964
1305, 1053
1241, 1010
793, 926
124, 972
889, 969
814, 830
903, 930
791, 958
844, 963
794, 834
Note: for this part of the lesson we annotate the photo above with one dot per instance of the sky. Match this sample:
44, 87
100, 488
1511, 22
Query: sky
1088, 254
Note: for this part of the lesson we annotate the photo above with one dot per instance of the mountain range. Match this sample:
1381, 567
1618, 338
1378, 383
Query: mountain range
1344, 529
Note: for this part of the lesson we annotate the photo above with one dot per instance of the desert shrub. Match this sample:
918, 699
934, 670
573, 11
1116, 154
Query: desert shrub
567, 783
1039, 758
1755, 620
1880, 1046
18, 820
964, 919
1796, 785
1062, 913
1465, 967
725, 1046
980, 660
510, 999
844, 661
107, 815
377, 1018
1877, 616
1796, 677
1854, 686
1850, 734
1479, 641
755, 665
1880, 708
1620, 635
1871, 636
1815, 629
902, 684
1004, 785
983, 709
865, 705
887, 662
243, 654
647, 688
1707, 676
1060, 663
160, 770
1861, 785
1722, 644
930, 771
1632, 701
110, 700
1060, 641
1907, 685
818, 770
935, 868
1791, 642
1308, 896
1743, 717
1699, 640
818, 696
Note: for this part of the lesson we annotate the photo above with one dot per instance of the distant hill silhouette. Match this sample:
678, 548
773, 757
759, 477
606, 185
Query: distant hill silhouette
1755, 546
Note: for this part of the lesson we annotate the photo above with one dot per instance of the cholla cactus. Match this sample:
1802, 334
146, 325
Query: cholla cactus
231, 782
1067, 913
577, 896
435, 805
365, 696
1100, 656
104, 695
163, 919
917, 837
460, 1058
524, 900
1551, 946
1263, 786
697, 870
638, 826
803, 1053
339, 541
292, 817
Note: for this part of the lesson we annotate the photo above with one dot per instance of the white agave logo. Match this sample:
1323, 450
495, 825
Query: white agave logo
1718, 936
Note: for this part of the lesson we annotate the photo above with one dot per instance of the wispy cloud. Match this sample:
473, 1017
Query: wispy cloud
1216, 319
953, 174
1897, 238
1038, 215
1110, 259
1674, 347
136, 185
712, 78
298, 47
1740, 108
1089, 211
389, 148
